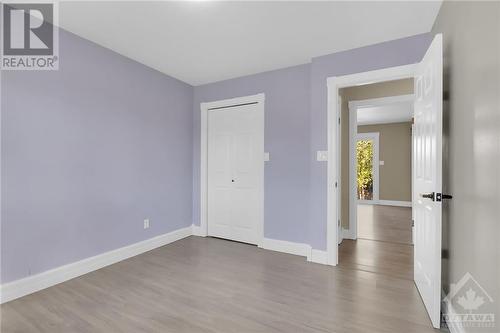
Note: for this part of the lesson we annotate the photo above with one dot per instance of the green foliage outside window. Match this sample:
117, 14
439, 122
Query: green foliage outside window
364, 153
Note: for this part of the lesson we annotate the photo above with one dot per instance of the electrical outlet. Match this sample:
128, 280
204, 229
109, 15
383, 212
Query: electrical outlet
146, 223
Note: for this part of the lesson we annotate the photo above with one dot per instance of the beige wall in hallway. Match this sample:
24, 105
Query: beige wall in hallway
395, 151
369, 91
471, 152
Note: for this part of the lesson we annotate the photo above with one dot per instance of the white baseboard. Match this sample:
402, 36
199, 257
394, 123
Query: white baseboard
348, 234
22, 287
319, 257
394, 203
197, 231
299, 249
31, 284
344, 234
366, 202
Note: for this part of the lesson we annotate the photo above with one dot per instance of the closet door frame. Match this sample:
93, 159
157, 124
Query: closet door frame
259, 99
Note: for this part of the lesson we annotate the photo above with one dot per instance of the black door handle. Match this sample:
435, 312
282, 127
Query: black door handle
440, 196
428, 195
436, 196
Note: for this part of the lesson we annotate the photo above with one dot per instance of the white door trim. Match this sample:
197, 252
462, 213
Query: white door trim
340, 229
204, 107
334, 84
381, 101
412, 181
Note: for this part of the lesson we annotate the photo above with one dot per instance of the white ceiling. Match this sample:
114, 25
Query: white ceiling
202, 41
385, 114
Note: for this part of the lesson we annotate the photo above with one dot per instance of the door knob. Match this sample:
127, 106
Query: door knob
428, 195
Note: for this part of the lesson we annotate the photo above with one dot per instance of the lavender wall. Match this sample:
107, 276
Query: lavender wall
286, 139
91, 150
296, 127
389, 54
88, 152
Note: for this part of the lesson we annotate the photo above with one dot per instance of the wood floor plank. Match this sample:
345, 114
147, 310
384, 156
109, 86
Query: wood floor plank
211, 285
384, 223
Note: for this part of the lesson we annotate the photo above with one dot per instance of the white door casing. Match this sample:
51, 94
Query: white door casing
339, 173
412, 182
428, 178
235, 172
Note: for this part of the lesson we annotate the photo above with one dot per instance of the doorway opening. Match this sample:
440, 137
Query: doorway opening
376, 218
379, 133
376, 214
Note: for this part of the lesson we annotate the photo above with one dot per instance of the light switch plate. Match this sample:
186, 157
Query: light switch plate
381, 163
266, 157
322, 155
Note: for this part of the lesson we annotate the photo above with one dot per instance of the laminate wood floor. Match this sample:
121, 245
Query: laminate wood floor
211, 285
393, 259
384, 223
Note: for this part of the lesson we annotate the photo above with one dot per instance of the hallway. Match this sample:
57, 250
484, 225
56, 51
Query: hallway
384, 223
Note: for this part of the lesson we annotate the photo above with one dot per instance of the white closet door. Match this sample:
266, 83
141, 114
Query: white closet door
236, 173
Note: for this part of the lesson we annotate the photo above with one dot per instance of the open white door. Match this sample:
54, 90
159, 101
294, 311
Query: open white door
428, 178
